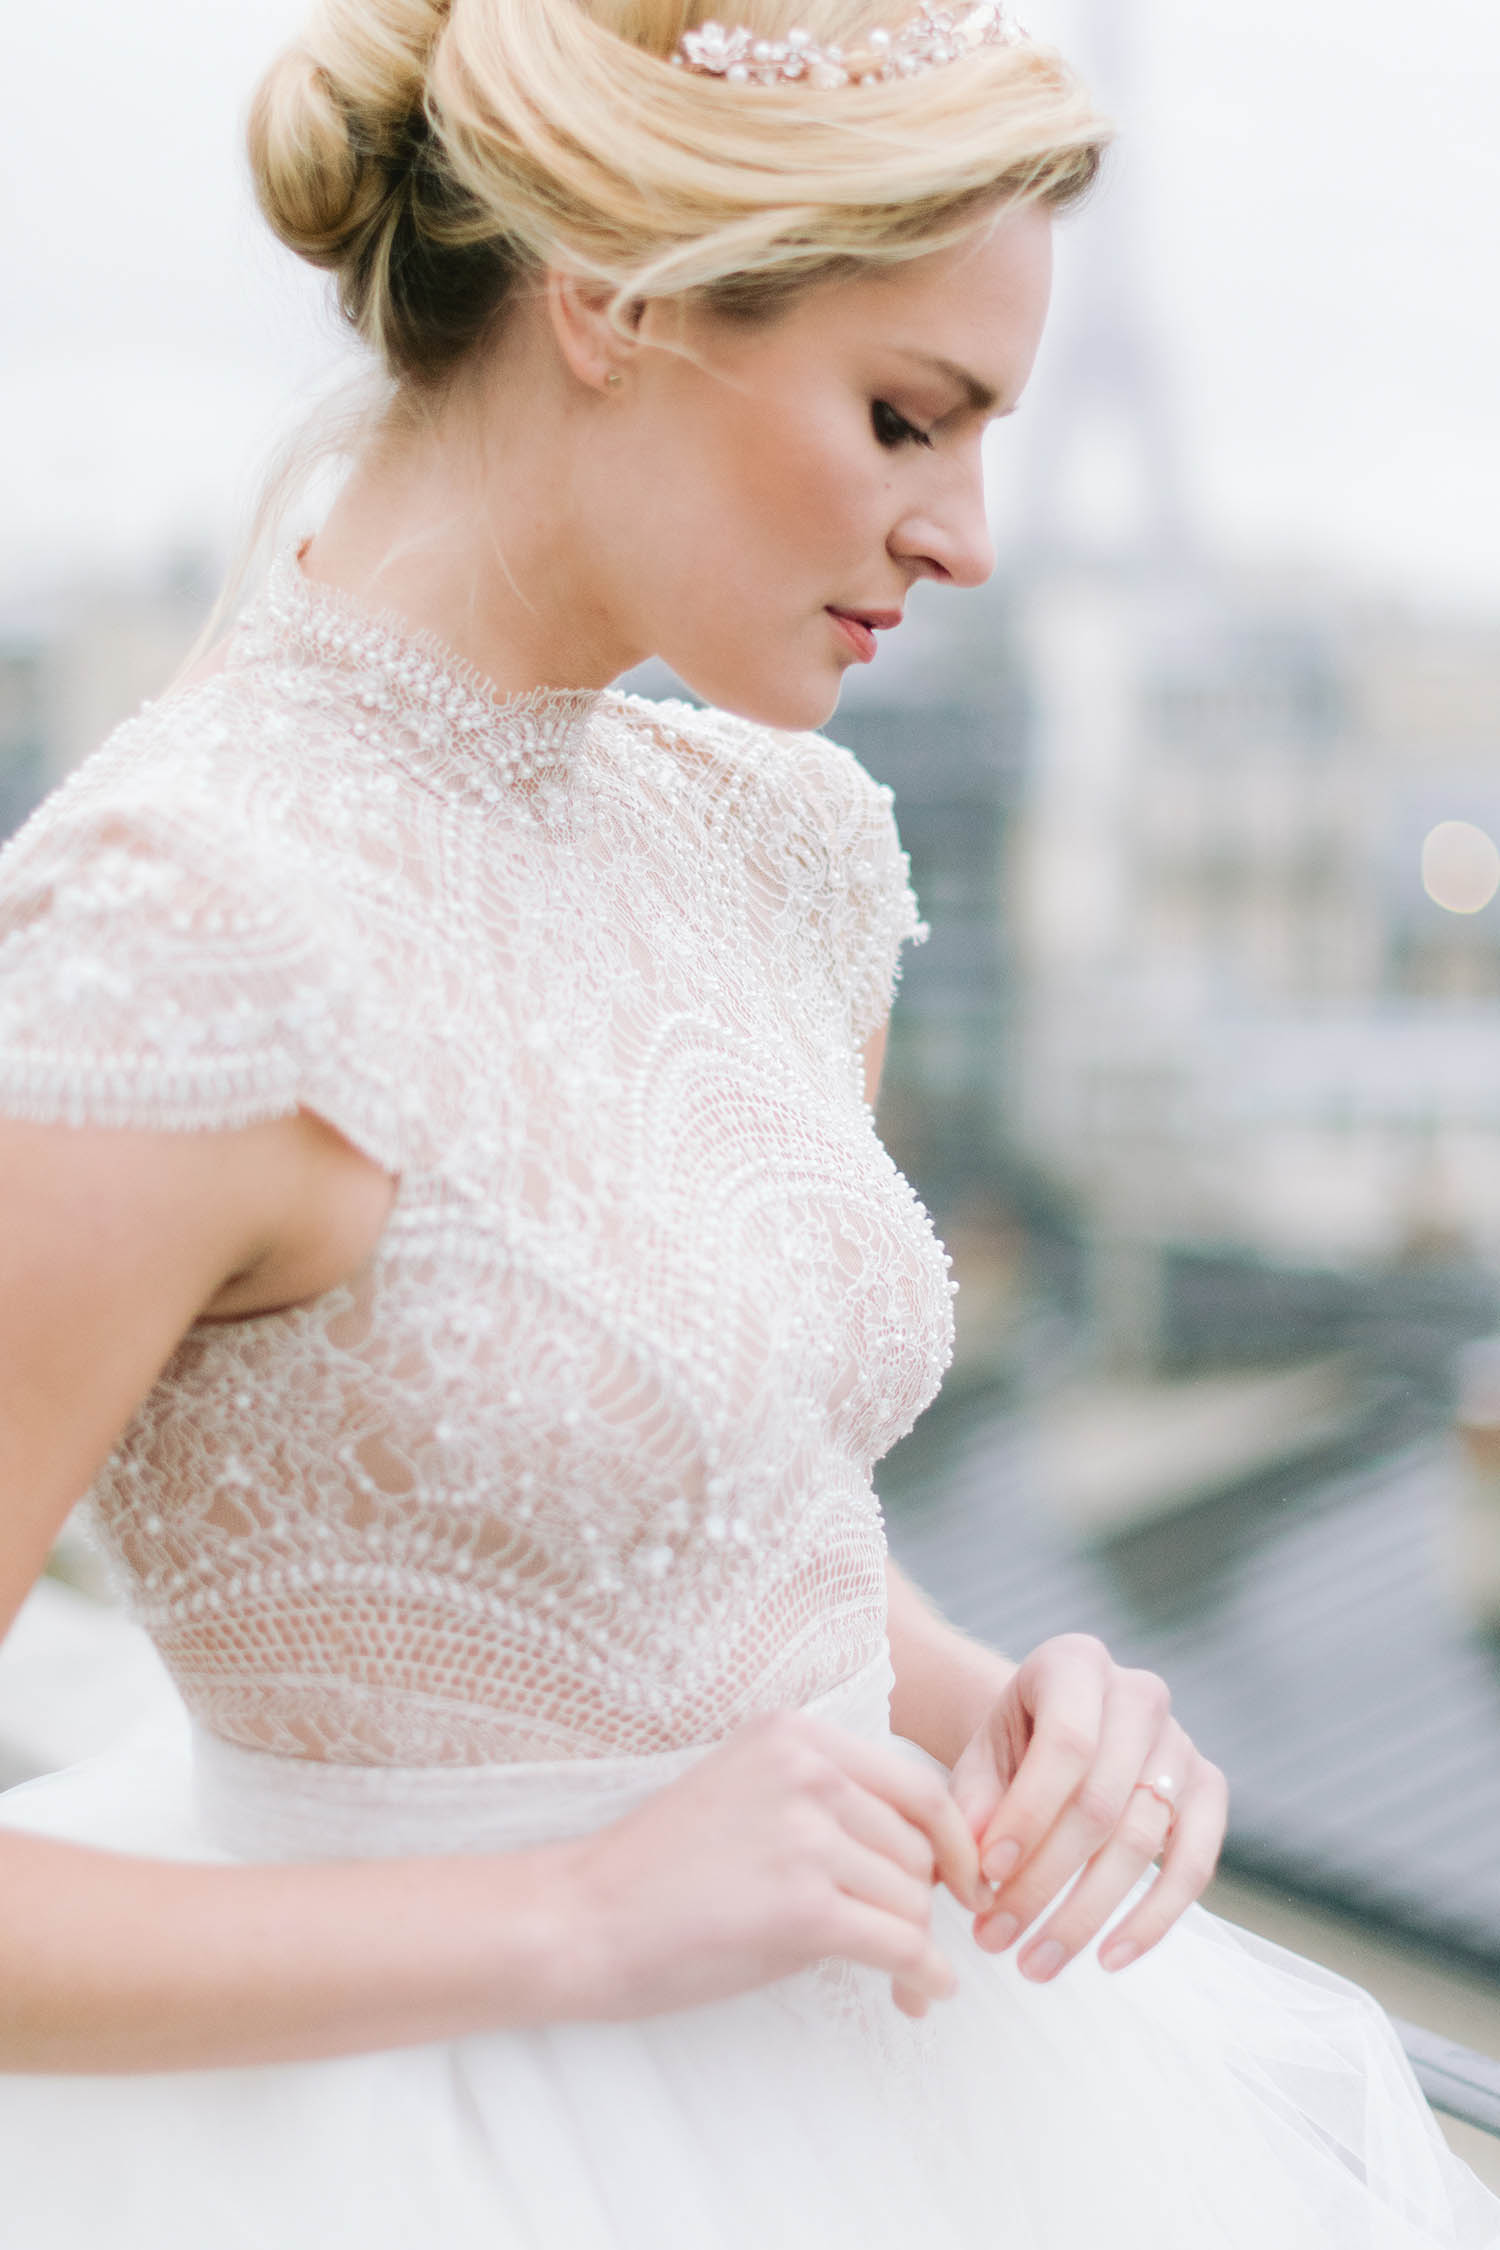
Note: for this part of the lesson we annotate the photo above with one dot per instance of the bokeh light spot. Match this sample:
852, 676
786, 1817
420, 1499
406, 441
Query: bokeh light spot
1460, 867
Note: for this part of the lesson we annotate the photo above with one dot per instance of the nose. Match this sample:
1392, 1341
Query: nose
946, 535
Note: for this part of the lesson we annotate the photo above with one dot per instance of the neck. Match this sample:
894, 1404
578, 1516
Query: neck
473, 524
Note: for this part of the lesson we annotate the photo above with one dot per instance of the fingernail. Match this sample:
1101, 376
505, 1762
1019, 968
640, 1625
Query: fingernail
1001, 1862
998, 1932
1118, 1956
1043, 1961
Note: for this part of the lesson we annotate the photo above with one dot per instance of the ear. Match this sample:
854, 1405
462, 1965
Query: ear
591, 345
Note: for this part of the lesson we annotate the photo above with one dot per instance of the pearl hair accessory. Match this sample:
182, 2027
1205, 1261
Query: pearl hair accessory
932, 35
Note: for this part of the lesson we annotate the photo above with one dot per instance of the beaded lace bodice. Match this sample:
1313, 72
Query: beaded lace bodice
580, 1461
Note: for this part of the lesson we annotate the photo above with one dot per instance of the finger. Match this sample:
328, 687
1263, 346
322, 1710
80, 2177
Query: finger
1066, 1725
877, 1823
873, 1877
878, 1940
920, 1794
1136, 1738
1187, 1868
976, 1784
1108, 1879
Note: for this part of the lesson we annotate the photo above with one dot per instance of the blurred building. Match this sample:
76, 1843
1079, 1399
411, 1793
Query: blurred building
955, 770
1252, 878
79, 658
1248, 1016
23, 722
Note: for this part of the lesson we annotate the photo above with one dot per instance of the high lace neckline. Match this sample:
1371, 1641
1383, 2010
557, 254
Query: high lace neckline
433, 711
579, 1464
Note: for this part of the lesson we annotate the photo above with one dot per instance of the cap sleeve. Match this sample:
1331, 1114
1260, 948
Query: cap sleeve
827, 833
864, 896
158, 973
883, 911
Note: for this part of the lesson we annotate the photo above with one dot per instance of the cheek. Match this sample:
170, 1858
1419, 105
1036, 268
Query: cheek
803, 490
755, 506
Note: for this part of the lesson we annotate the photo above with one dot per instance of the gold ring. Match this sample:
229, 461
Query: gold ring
1163, 1788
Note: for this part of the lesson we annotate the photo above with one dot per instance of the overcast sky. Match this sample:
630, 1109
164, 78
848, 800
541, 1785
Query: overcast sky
1318, 222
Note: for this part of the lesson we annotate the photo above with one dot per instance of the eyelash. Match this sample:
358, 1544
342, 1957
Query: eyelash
897, 430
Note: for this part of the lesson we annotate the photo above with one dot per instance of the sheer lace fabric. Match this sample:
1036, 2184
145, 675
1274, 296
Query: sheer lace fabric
580, 1462
483, 1547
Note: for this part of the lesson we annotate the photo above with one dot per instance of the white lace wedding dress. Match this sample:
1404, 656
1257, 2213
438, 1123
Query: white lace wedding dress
575, 1475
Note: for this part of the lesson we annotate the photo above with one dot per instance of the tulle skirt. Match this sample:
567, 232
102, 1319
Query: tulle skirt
1221, 2094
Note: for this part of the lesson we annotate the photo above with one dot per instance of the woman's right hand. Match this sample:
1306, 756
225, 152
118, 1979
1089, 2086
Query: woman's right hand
790, 1841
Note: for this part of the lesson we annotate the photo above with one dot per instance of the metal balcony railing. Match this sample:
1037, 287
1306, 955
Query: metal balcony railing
1455, 2079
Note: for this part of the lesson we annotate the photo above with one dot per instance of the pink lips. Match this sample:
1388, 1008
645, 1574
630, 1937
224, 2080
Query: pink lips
861, 626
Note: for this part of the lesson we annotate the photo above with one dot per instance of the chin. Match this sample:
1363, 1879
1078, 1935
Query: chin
792, 702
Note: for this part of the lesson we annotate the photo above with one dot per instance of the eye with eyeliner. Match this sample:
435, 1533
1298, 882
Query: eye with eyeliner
893, 430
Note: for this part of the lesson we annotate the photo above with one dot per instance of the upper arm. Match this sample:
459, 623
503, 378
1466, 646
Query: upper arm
874, 1054
111, 1244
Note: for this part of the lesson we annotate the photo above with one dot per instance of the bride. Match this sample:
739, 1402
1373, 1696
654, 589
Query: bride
444, 1228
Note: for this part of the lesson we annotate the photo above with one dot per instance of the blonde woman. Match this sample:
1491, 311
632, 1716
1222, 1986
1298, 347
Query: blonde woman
444, 1225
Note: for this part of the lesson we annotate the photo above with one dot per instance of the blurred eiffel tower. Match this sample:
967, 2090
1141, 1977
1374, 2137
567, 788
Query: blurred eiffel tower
1104, 532
1104, 475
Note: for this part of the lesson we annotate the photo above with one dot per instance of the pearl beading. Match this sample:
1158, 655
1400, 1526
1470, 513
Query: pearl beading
580, 1462
462, 734
931, 37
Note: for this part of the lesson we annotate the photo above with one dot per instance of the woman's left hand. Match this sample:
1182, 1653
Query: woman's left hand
1062, 1779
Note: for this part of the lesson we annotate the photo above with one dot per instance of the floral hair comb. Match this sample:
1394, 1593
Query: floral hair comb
933, 35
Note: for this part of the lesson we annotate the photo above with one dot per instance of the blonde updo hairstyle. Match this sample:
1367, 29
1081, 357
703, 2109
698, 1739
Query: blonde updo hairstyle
435, 157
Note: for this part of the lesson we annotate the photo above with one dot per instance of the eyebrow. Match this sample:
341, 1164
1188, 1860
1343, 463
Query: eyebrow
979, 395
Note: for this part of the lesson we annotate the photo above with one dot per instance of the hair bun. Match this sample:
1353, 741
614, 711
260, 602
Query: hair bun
317, 188
331, 123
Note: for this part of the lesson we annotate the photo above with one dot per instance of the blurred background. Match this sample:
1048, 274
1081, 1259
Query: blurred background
1199, 1071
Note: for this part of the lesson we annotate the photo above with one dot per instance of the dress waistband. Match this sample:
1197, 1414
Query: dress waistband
260, 1806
